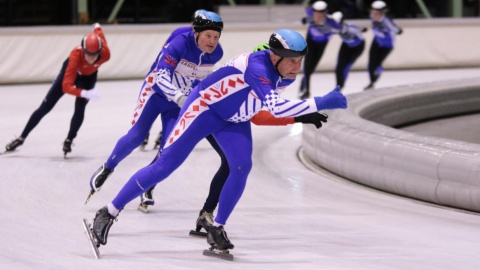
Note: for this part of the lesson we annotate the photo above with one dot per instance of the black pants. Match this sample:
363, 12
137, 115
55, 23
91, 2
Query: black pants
54, 95
218, 180
376, 57
315, 52
346, 58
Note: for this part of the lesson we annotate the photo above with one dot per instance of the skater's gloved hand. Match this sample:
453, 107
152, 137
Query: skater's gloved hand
332, 100
315, 118
181, 100
364, 29
91, 94
96, 25
400, 31
304, 20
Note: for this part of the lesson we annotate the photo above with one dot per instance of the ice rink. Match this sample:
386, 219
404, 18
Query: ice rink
290, 216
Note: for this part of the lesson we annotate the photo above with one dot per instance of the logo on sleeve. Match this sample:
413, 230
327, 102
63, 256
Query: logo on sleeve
264, 80
171, 61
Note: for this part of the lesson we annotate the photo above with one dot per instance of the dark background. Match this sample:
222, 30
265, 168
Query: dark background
64, 12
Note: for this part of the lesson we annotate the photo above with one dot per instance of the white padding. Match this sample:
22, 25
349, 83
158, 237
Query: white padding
437, 170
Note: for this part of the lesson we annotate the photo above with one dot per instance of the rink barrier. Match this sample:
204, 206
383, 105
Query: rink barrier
362, 145
35, 54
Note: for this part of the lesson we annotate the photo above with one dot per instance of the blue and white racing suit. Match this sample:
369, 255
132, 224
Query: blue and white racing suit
171, 75
384, 32
222, 105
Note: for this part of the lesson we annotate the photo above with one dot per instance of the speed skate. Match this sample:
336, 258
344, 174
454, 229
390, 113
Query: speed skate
91, 238
213, 251
198, 232
143, 208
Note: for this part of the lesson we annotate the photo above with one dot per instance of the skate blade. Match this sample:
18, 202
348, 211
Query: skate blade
198, 234
89, 195
216, 253
91, 238
143, 208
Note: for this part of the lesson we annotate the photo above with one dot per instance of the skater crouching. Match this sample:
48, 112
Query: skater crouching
215, 107
77, 77
181, 63
263, 118
385, 31
353, 44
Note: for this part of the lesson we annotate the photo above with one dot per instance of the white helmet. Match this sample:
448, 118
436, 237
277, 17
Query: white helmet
319, 6
379, 5
337, 16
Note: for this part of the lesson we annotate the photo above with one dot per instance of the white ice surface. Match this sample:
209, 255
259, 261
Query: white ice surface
289, 217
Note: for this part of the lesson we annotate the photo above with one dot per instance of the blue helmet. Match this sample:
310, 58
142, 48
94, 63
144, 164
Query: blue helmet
197, 12
287, 43
207, 20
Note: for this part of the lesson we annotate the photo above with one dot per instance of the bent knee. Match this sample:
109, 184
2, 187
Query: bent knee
243, 168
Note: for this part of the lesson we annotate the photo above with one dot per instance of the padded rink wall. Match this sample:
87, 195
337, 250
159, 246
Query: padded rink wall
36, 54
360, 144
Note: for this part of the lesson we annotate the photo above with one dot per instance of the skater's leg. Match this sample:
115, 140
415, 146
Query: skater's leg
77, 118
310, 62
188, 132
377, 55
52, 97
219, 178
168, 121
342, 68
145, 117
239, 156
382, 55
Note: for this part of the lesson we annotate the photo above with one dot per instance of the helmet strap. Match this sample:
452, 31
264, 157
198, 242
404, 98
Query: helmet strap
276, 66
197, 37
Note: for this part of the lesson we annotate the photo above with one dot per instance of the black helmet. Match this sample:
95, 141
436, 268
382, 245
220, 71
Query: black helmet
207, 21
287, 43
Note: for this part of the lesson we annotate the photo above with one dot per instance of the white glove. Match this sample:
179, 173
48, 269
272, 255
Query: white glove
181, 100
91, 94
96, 25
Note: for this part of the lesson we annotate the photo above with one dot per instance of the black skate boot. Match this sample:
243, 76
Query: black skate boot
205, 221
146, 200
98, 179
101, 225
67, 146
157, 141
369, 87
217, 237
14, 144
219, 244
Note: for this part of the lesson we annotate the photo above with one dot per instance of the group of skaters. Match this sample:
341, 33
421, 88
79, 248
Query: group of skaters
194, 102
322, 26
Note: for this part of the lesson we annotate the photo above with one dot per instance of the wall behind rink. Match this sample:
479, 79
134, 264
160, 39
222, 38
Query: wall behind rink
35, 54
